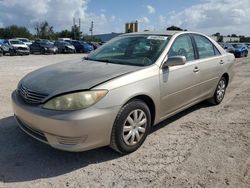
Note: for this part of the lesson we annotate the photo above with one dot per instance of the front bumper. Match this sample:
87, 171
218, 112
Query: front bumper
22, 51
51, 50
71, 131
69, 50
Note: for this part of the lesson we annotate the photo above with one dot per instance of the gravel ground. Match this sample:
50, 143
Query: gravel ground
204, 146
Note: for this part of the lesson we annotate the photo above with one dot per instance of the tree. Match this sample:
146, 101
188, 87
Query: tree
44, 30
216, 34
88, 38
174, 28
76, 32
64, 34
233, 35
220, 38
14, 31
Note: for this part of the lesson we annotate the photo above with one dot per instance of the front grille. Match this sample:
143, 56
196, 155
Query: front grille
32, 132
31, 96
22, 48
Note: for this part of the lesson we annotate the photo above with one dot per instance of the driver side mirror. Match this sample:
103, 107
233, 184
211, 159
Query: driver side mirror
174, 61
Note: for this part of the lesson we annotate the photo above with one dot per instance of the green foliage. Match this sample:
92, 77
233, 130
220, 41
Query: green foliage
216, 34
220, 38
14, 31
88, 38
174, 28
76, 33
63, 34
44, 30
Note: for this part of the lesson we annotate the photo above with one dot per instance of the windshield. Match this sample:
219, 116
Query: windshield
137, 50
24, 40
16, 42
65, 43
237, 45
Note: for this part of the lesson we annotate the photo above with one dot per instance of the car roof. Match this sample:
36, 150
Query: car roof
14, 40
167, 33
154, 33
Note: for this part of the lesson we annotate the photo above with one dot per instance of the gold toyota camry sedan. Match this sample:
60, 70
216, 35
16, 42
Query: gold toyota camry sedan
116, 94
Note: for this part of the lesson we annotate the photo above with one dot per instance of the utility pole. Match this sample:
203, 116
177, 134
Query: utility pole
91, 29
79, 27
74, 25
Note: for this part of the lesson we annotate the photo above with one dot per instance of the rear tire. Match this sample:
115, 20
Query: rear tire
219, 92
131, 127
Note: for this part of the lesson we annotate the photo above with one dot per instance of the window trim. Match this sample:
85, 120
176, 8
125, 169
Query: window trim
196, 48
193, 45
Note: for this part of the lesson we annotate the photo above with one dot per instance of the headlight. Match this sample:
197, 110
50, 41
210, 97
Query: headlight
75, 101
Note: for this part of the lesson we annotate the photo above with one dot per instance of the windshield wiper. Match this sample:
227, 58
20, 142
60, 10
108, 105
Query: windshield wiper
99, 60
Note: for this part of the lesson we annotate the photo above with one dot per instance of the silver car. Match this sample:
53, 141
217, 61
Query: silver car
119, 91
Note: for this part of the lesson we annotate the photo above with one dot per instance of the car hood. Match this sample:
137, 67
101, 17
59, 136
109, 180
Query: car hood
73, 76
70, 46
19, 45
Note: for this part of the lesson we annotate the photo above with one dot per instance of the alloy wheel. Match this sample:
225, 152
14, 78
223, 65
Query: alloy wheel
221, 90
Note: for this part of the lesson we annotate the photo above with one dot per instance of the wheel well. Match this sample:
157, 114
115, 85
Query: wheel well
226, 76
150, 104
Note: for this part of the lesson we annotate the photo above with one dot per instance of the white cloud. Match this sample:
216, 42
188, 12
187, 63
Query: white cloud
145, 24
144, 20
151, 9
58, 13
225, 16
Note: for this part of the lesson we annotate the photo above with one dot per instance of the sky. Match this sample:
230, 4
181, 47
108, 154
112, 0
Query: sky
206, 16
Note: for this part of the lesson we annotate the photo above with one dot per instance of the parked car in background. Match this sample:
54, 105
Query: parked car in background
19, 47
1, 50
227, 47
64, 39
43, 47
25, 41
81, 46
121, 90
240, 50
248, 45
64, 47
94, 44
6, 48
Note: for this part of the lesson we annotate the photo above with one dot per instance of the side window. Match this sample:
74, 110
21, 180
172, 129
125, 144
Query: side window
182, 46
216, 51
205, 47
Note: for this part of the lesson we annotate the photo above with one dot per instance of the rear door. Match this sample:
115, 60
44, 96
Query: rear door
210, 65
179, 83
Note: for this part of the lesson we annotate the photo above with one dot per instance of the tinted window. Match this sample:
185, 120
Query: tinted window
182, 47
205, 47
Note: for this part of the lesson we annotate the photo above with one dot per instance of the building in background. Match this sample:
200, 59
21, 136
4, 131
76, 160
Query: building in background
129, 28
132, 27
225, 39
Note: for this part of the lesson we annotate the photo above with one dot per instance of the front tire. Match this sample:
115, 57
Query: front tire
219, 92
131, 127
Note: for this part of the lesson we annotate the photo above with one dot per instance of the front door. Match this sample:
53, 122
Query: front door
179, 83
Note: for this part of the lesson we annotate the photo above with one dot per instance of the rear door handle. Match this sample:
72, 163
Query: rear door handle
196, 69
221, 62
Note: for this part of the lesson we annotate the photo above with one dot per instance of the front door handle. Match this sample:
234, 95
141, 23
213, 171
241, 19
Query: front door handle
196, 69
221, 62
